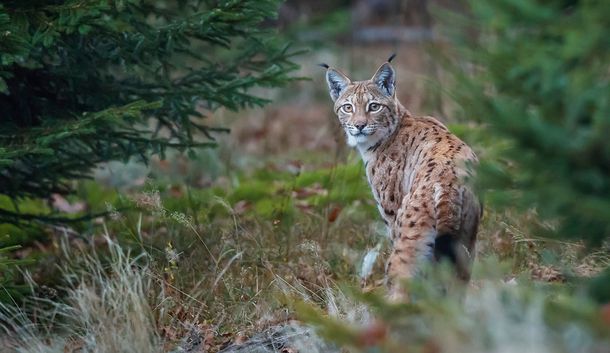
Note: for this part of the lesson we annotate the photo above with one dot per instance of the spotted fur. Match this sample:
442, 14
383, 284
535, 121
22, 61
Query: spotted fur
417, 171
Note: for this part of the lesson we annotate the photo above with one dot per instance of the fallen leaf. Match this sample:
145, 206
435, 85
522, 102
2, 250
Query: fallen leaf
333, 214
61, 204
241, 207
372, 334
240, 338
176, 191
303, 205
314, 190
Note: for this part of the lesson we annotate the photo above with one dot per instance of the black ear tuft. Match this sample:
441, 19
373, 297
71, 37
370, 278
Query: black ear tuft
391, 57
445, 248
324, 65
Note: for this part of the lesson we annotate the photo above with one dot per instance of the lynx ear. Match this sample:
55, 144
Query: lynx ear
385, 79
337, 82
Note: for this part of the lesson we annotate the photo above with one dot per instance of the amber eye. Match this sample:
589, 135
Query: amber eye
347, 108
373, 107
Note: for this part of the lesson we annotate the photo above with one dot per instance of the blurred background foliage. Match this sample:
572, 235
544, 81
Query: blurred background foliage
281, 204
538, 83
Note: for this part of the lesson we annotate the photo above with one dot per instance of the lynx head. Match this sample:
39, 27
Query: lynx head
367, 109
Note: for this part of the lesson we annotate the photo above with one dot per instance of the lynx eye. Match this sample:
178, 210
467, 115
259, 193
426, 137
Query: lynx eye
373, 107
347, 108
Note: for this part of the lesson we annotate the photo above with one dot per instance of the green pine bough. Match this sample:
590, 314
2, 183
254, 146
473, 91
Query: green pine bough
88, 81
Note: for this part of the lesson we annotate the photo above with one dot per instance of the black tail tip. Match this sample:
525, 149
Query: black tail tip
445, 248
324, 65
391, 57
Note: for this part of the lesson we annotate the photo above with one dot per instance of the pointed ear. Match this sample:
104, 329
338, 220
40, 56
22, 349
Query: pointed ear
337, 82
385, 79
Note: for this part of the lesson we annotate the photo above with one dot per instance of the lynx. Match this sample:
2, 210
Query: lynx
417, 171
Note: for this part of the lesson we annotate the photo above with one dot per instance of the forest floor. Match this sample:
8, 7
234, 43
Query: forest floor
204, 253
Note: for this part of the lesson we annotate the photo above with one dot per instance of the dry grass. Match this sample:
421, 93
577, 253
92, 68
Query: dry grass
208, 287
106, 309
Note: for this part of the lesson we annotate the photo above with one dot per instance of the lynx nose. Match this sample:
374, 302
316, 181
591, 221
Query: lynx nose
360, 126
